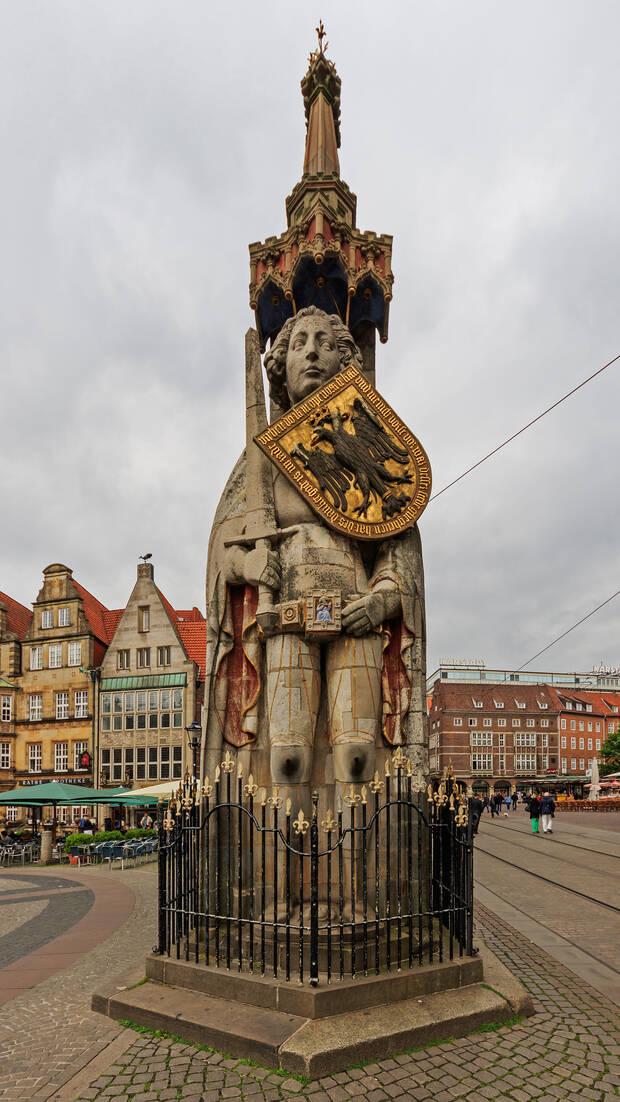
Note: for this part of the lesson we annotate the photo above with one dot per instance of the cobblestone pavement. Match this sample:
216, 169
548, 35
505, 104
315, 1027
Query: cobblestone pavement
48, 1033
570, 1050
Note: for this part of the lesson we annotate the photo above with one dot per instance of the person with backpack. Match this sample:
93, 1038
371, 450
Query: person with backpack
534, 810
547, 811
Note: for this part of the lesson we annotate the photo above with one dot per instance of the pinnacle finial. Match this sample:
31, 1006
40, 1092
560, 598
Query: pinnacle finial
320, 33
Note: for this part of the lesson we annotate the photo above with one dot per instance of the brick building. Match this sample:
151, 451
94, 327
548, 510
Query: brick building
150, 688
15, 621
494, 736
504, 734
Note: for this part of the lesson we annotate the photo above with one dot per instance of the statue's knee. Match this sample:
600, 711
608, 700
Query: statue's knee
291, 764
354, 762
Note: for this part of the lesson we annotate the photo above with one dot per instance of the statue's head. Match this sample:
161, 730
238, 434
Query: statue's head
309, 349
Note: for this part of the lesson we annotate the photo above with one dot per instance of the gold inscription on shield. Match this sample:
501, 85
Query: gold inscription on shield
352, 458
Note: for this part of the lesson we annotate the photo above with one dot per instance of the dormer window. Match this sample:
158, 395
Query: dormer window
478, 704
520, 703
588, 707
498, 703
541, 705
569, 704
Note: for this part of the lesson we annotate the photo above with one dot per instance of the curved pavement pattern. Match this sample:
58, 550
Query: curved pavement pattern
53, 1047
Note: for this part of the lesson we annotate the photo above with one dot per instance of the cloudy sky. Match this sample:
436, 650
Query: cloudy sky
146, 143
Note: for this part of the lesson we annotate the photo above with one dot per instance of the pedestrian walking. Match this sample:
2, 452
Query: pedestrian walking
534, 809
476, 811
514, 800
507, 804
547, 811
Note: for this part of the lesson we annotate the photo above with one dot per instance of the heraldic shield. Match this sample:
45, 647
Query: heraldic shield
351, 458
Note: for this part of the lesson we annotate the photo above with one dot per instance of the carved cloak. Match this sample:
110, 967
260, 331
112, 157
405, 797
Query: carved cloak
235, 655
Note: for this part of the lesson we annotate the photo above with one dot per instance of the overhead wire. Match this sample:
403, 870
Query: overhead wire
524, 428
565, 633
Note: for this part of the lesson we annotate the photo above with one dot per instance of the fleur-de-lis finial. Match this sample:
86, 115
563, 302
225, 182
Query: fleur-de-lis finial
250, 789
229, 763
376, 785
352, 799
328, 823
301, 824
207, 788
275, 801
168, 822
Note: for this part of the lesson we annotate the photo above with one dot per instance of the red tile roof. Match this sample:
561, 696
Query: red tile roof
447, 695
191, 615
193, 635
111, 620
95, 613
602, 701
18, 616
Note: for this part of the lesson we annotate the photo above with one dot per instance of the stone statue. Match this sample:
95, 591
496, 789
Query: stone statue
311, 708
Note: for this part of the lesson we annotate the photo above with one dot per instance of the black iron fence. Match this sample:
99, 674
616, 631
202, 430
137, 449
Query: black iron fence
383, 882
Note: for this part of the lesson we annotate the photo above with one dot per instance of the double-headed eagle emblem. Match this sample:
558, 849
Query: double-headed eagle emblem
351, 458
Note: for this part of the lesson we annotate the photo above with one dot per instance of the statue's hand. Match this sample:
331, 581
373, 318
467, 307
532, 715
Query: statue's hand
359, 617
262, 566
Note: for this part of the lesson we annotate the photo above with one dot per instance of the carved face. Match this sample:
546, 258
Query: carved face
312, 358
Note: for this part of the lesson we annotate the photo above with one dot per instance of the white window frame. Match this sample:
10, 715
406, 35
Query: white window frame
5, 755
75, 653
62, 704
582, 763
35, 757
525, 763
36, 658
80, 703
47, 619
35, 707
64, 617
544, 723
61, 757
516, 723
6, 709
487, 722
54, 656
481, 761
501, 722
481, 738
123, 659
573, 764
457, 721
530, 723
472, 721
143, 653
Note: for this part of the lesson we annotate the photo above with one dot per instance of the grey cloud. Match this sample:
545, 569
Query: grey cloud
147, 144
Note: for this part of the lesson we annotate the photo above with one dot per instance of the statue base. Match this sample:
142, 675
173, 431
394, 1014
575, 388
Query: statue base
316, 1031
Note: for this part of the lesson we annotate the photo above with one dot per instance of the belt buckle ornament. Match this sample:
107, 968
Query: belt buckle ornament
323, 613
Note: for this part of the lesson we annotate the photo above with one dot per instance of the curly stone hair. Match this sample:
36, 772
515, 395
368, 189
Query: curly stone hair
275, 360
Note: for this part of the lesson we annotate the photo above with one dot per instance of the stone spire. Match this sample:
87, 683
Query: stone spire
321, 91
322, 259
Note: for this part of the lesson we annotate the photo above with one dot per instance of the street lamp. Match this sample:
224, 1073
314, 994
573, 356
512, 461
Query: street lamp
194, 737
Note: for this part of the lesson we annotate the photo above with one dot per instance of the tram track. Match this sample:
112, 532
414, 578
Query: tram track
546, 879
578, 946
562, 842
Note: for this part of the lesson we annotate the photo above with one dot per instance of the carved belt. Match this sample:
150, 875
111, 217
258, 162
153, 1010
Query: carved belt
318, 614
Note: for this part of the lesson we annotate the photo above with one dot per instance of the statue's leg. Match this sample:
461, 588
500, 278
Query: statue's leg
293, 695
354, 704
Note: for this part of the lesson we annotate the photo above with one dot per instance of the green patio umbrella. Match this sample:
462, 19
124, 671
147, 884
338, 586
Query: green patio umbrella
49, 794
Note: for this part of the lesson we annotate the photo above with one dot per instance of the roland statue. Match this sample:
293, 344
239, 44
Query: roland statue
338, 678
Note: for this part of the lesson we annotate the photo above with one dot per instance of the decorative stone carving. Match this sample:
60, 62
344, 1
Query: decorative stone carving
312, 662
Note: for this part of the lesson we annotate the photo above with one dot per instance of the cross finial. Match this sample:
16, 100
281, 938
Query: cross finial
320, 30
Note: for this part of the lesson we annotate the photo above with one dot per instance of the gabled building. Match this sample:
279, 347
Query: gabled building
62, 648
15, 621
150, 688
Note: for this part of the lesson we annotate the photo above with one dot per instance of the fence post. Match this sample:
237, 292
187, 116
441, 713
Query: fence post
161, 881
314, 893
470, 881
